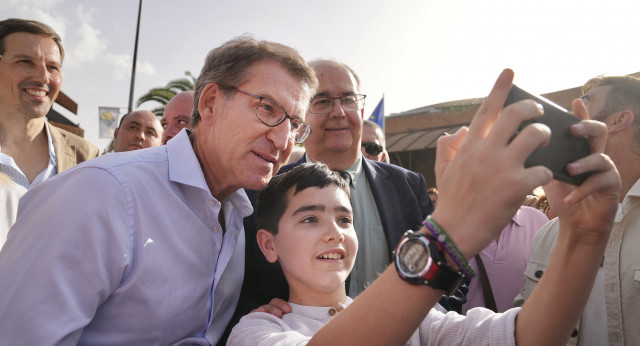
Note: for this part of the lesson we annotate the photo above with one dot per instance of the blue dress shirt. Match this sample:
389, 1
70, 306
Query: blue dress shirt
123, 249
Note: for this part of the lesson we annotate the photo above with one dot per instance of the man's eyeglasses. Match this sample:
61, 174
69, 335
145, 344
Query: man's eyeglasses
372, 148
272, 114
324, 104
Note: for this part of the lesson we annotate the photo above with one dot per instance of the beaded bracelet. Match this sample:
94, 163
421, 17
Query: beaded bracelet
449, 247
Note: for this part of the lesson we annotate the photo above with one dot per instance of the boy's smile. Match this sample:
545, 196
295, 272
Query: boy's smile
316, 243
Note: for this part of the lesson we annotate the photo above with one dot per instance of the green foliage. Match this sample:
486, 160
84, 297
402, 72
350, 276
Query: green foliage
164, 94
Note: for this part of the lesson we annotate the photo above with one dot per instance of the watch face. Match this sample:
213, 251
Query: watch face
414, 258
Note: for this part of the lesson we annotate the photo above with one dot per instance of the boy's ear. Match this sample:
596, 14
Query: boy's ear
265, 241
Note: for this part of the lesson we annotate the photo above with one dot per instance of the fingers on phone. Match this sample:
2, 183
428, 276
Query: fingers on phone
605, 176
534, 135
604, 171
594, 131
513, 116
597, 162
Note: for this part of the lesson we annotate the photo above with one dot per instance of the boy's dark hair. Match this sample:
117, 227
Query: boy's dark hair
273, 200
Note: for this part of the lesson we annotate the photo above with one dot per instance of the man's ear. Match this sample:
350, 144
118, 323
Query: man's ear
115, 133
265, 241
620, 121
207, 102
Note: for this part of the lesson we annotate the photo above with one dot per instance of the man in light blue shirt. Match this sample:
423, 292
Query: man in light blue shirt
147, 247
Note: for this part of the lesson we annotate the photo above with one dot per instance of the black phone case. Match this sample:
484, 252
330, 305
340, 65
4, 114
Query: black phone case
563, 147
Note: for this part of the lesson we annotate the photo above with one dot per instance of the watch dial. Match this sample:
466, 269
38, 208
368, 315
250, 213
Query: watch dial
413, 257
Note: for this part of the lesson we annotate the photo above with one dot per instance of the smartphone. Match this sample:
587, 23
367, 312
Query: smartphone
563, 147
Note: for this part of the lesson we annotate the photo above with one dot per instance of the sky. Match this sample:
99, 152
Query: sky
415, 53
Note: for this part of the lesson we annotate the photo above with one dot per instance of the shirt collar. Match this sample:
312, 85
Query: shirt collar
184, 168
629, 200
518, 218
52, 150
354, 170
635, 190
14, 172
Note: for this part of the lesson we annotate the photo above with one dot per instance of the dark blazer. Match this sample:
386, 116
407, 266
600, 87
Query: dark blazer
402, 201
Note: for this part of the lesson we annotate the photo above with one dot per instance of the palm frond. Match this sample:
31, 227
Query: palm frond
158, 111
160, 95
163, 95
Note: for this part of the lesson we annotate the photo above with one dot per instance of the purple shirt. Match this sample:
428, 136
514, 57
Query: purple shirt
506, 260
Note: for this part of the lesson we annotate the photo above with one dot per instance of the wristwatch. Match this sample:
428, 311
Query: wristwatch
420, 260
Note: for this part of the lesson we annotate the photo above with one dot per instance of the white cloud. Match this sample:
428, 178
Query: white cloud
121, 64
42, 14
85, 16
145, 67
44, 5
90, 46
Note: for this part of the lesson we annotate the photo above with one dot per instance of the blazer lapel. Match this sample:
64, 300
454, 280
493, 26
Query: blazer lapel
65, 155
386, 199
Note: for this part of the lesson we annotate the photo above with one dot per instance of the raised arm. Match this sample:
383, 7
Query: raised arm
482, 181
586, 215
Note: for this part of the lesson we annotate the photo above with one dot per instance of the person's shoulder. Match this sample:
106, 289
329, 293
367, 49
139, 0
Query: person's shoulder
137, 164
390, 167
257, 326
395, 173
544, 240
533, 214
138, 158
289, 166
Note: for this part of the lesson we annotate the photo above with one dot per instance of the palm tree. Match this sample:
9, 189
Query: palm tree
162, 95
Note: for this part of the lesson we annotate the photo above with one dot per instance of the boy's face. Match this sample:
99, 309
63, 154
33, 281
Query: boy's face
316, 243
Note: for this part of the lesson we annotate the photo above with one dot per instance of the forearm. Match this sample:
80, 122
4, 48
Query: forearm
551, 313
386, 313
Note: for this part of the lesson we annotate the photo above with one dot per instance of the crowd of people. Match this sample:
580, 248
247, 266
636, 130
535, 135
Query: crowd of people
213, 235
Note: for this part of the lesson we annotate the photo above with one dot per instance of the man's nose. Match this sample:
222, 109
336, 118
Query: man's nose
41, 74
336, 109
280, 135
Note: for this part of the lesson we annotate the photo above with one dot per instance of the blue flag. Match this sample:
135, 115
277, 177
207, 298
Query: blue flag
378, 114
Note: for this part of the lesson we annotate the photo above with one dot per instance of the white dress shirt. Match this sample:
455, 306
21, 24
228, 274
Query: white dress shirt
480, 327
9, 167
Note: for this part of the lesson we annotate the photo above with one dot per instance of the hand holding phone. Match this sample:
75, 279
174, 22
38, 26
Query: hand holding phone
563, 147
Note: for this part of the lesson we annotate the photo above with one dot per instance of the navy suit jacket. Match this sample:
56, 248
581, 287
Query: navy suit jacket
403, 204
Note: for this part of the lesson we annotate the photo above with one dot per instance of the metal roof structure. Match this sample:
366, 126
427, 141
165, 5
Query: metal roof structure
419, 129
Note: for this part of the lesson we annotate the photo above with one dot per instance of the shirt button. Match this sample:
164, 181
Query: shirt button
216, 229
212, 202
538, 273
